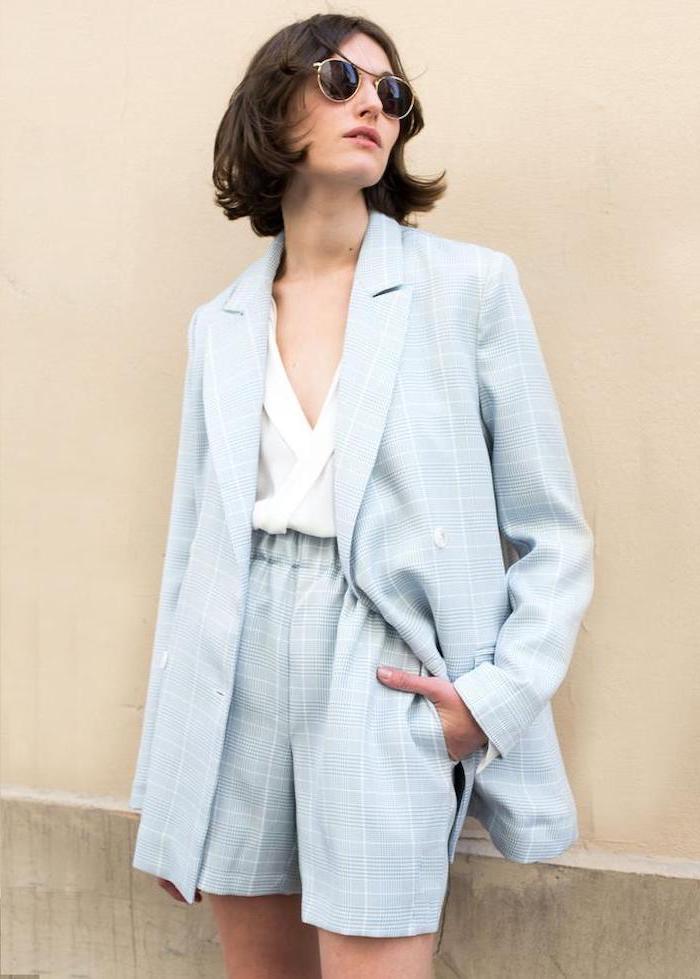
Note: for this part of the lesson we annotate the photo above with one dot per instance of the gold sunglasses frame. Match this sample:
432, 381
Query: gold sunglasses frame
318, 64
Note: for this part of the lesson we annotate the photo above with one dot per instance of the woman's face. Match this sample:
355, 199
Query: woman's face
331, 156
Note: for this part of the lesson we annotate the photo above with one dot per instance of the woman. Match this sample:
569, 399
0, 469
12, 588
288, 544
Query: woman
367, 419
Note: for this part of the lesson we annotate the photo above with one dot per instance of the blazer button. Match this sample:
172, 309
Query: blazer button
439, 536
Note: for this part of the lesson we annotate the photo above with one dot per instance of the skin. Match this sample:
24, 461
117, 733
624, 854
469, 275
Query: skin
325, 218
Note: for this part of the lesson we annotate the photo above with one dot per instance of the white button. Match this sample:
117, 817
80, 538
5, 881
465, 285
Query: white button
164, 659
439, 536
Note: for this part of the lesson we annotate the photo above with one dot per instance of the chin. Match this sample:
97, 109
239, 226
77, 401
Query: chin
366, 176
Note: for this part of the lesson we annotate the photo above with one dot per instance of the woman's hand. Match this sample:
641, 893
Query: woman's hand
462, 734
173, 891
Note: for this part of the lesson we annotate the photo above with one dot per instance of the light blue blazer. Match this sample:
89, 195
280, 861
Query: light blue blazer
457, 516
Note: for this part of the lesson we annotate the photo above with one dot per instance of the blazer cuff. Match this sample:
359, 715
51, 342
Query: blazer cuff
491, 753
502, 707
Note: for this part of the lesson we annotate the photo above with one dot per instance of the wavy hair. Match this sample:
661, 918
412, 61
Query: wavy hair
253, 162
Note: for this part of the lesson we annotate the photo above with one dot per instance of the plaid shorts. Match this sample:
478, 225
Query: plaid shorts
331, 784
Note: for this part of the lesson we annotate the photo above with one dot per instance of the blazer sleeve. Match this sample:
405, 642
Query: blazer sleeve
181, 530
539, 511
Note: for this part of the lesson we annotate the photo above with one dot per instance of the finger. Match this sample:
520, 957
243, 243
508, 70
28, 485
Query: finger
429, 686
171, 889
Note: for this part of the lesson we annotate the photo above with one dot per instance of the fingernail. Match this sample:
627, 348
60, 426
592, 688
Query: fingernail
384, 672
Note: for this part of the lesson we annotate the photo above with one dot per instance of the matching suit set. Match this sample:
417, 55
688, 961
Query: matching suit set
429, 521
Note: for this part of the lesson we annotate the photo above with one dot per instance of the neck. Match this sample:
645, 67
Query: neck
320, 242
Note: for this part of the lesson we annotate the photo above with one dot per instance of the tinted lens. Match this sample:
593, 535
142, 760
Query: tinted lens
338, 79
395, 95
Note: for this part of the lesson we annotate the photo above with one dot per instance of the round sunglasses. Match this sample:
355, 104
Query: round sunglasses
339, 80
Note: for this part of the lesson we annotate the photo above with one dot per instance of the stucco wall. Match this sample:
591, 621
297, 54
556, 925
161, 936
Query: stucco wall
573, 147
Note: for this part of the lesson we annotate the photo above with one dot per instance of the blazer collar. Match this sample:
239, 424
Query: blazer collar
235, 369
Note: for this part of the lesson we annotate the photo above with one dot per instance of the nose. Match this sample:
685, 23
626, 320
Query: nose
367, 96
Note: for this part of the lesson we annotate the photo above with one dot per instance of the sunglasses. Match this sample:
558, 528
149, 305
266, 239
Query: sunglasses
339, 80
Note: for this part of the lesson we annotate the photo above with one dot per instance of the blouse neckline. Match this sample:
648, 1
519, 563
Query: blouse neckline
300, 421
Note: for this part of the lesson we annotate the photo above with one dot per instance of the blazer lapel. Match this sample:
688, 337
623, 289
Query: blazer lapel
235, 367
374, 338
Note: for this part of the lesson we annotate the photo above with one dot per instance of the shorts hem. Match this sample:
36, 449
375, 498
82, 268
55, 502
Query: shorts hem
344, 925
251, 892
250, 889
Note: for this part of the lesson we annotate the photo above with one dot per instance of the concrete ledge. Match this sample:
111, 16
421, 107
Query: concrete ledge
536, 921
73, 905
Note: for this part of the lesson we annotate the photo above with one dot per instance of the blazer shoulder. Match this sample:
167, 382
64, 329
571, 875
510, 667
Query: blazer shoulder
463, 258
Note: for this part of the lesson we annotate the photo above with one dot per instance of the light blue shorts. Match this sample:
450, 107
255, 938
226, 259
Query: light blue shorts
331, 784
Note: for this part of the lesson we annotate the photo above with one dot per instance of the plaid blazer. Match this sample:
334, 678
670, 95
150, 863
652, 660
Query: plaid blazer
457, 516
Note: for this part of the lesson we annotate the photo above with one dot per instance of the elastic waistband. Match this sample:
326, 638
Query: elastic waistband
296, 548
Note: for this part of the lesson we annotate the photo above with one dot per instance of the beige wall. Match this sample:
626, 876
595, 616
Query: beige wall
574, 149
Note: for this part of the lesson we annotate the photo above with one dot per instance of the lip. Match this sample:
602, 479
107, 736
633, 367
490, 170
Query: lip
364, 135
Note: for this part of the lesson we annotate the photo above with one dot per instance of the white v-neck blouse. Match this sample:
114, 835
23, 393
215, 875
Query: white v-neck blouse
295, 471
295, 464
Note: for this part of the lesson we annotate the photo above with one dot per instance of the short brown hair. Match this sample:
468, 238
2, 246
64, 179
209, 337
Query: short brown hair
252, 162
